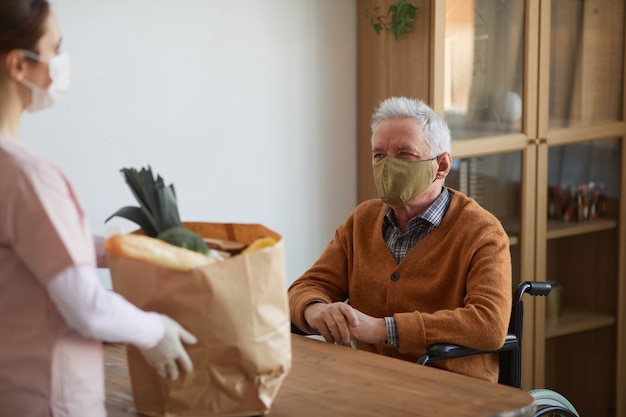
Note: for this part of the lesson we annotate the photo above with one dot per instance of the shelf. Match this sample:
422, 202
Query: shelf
558, 229
574, 321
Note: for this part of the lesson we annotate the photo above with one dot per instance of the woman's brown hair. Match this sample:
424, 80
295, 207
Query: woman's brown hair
22, 23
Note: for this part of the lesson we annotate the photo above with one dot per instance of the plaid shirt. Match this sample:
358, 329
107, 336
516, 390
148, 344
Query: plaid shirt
418, 227
400, 244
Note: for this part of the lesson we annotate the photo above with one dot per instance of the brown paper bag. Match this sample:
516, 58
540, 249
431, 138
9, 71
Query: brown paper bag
238, 310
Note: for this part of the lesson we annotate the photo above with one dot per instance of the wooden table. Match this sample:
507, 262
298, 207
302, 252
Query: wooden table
333, 380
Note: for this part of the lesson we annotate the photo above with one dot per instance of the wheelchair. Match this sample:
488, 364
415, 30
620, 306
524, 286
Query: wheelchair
549, 403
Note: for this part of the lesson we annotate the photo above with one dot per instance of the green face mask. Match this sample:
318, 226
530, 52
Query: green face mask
399, 181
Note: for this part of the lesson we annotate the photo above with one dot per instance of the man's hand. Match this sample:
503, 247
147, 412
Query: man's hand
332, 321
340, 323
369, 329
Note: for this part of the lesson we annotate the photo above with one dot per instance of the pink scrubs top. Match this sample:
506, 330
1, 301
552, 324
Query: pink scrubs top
46, 368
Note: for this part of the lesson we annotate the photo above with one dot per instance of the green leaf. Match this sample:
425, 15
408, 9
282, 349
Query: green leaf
398, 20
168, 207
136, 215
157, 202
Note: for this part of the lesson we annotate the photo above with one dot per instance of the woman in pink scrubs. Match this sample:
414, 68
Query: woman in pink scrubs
53, 310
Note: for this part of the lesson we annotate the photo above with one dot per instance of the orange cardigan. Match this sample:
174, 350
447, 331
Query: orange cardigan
454, 286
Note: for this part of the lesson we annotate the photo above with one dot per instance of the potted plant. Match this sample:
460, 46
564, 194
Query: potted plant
398, 20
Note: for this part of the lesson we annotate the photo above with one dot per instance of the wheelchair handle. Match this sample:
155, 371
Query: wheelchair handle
532, 288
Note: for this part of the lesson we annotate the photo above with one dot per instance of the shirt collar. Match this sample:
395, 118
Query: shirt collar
433, 213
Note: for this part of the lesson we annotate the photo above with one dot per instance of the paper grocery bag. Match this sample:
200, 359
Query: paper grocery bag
238, 310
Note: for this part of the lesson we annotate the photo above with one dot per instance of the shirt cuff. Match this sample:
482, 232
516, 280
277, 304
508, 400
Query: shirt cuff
392, 332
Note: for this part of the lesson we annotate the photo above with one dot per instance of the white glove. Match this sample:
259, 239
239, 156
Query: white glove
165, 355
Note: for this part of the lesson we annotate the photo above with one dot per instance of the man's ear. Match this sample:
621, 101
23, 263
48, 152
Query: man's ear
15, 64
444, 165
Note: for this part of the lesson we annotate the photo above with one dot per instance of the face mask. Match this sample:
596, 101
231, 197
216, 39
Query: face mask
399, 181
59, 72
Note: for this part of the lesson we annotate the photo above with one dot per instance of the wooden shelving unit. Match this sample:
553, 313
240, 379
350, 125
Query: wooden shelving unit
558, 229
575, 321
564, 60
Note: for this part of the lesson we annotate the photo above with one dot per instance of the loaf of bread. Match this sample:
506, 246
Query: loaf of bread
157, 252
258, 244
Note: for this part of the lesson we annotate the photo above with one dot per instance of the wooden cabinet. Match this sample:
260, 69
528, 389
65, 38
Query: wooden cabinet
534, 94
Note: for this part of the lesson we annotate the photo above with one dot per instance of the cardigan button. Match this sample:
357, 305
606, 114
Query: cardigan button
395, 276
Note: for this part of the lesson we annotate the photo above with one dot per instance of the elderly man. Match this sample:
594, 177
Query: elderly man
423, 264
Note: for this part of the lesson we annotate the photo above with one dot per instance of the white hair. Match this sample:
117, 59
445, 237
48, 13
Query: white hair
435, 128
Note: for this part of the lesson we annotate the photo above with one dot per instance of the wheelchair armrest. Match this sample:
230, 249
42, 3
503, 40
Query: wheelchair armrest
441, 351
510, 343
296, 330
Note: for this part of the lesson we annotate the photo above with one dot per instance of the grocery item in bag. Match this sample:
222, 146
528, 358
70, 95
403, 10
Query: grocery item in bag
237, 308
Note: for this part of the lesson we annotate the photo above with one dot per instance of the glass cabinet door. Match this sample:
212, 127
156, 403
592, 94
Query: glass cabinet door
484, 45
581, 130
483, 88
533, 92
482, 103
586, 62
582, 262
483, 84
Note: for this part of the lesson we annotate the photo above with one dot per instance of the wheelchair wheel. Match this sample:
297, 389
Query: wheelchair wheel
551, 403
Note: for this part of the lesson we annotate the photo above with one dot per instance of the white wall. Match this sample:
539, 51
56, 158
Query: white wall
248, 107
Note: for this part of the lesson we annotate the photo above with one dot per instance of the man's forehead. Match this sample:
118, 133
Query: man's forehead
399, 135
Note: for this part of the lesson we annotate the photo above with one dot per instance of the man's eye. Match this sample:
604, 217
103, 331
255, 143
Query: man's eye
378, 156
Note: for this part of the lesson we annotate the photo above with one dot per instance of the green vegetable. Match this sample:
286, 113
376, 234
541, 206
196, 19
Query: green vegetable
184, 238
158, 210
